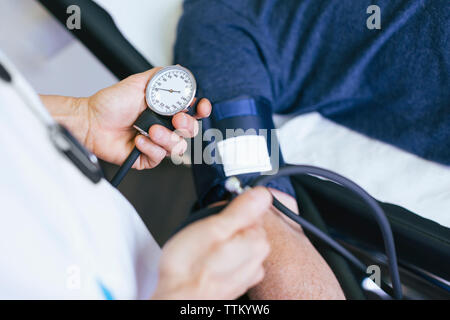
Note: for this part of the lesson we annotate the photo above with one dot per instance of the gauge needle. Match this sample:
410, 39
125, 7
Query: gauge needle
169, 90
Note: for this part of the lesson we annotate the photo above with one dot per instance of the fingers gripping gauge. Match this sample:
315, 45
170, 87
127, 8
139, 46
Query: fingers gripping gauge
171, 90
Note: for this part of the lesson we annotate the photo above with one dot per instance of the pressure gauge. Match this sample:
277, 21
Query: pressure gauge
171, 90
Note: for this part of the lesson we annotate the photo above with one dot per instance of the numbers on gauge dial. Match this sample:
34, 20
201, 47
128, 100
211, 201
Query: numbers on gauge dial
171, 91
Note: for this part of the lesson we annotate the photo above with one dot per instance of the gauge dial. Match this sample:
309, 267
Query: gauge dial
171, 90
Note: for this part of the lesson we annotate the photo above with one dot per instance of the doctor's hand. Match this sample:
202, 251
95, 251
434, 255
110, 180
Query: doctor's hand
104, 122
219, 257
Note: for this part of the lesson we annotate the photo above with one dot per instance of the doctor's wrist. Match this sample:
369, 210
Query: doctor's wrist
72, 113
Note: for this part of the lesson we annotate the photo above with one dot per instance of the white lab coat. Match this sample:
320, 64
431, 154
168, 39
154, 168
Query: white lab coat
62, 236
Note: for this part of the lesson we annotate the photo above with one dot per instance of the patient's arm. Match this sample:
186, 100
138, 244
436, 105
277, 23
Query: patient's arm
223, 48
294, 268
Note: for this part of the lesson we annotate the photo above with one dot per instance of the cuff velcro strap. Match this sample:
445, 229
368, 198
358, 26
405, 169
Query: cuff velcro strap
250, 150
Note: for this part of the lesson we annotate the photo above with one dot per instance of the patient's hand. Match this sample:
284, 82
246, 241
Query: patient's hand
219, 257
104, 122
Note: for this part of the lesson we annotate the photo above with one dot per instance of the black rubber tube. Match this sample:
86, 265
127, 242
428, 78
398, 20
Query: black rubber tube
326, 239
125, 167
378, 213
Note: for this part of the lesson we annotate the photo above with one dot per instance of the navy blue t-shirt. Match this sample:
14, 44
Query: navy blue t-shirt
391, 84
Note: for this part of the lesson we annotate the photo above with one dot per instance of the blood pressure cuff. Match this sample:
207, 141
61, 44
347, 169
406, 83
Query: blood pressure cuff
238, 140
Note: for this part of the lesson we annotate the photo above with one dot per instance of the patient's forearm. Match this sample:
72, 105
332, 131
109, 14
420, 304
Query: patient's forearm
294, 268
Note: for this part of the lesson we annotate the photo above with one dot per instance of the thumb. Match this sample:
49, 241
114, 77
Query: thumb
243, 212
141, 79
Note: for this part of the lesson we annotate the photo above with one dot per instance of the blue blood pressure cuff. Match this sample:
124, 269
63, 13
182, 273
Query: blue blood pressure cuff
238, 140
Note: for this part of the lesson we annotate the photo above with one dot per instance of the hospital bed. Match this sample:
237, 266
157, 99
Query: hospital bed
129, 38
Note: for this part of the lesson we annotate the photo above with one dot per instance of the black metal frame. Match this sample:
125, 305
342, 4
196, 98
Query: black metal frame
101, 36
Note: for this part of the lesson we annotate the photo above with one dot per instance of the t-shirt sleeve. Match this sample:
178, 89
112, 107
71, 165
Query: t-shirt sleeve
224, 49
229, 55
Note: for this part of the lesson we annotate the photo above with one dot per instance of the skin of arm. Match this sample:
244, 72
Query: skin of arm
219, 257
72, 112
294, 268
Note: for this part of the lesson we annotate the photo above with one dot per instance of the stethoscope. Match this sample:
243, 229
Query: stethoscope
86, 162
